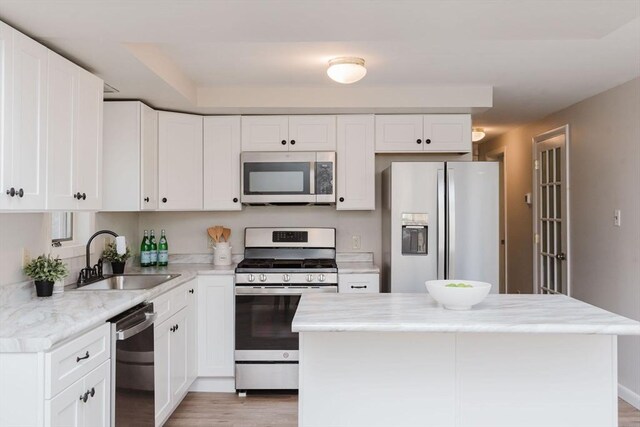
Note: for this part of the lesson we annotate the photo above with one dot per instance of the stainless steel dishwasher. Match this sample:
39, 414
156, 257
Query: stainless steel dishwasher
132, 365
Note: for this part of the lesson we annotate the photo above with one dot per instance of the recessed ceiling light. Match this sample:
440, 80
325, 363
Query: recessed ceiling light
346, 70
477, 134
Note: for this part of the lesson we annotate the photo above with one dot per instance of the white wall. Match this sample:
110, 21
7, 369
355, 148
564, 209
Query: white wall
31, 231
604, 175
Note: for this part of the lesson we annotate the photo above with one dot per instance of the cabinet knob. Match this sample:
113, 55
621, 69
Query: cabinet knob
341, 199
78, 196
84, 397
427, 141
419, 141
146, 199
235, 200
293, 142
11, 192
164, 200
190, 291
20, 193
92, 392
283, 142
84, 196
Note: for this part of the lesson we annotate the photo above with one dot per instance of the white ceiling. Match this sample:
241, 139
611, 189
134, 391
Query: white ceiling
239, 56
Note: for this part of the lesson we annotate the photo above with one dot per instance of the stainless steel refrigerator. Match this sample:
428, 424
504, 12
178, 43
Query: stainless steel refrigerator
439, 221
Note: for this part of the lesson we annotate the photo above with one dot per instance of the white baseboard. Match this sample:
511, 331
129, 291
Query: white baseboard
629, 396
214, 385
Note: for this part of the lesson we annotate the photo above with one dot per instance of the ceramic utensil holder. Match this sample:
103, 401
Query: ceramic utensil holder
222, 254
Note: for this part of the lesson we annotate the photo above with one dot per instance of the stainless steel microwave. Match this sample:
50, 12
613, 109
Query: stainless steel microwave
288, 177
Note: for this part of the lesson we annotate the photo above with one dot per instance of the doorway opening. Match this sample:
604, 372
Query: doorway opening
551, 267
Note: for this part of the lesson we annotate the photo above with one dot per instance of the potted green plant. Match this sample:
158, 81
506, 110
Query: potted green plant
117, 261
45, 271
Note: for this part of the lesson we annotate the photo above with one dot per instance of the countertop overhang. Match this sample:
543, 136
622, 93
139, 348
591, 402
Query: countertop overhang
538, 314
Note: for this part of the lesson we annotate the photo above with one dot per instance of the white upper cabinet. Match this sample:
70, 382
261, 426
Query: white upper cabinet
312, 133
61, 185
446, 133
74, 164
149, 159
356, 163
130, 157
289, 133
265, 133
436, 133
179, 161
23, 137
222, 163
399, 133
88, 127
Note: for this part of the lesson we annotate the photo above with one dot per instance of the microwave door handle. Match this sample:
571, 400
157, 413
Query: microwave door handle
312, 177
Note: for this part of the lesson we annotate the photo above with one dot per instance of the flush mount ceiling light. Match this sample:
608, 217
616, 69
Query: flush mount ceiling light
477, 134
346, 70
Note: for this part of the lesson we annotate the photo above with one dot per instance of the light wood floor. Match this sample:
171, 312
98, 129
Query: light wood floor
278, 410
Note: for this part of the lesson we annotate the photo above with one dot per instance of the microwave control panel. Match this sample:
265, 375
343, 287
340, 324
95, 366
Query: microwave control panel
324, 178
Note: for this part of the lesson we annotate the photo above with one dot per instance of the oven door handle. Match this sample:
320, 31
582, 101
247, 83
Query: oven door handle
247, 290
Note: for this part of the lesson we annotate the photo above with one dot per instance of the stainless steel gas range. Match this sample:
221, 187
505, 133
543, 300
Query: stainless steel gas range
280, 265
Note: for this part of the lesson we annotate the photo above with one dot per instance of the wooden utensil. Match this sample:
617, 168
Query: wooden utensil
226, 233
218, 233
212, 233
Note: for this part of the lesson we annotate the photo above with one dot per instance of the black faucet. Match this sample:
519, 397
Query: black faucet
91, 274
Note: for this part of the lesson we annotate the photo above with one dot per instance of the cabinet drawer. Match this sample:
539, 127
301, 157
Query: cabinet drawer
70, 362
162, 306
358, 283
168, 304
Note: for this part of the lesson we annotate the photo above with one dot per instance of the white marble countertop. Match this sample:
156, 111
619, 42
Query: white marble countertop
32, 324
348, 267
553, 314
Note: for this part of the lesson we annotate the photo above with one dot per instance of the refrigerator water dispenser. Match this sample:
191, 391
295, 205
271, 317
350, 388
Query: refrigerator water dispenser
415, 232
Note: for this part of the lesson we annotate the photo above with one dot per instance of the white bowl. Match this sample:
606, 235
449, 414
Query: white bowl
458, 298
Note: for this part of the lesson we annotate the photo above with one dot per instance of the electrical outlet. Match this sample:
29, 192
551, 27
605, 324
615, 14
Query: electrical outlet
26, 257
616, 217
355, 242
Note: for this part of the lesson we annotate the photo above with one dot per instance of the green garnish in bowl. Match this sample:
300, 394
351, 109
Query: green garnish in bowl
458, 285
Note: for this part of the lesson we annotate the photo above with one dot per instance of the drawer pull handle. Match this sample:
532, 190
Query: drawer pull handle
86, 356
359, 287
84, 397
92, 392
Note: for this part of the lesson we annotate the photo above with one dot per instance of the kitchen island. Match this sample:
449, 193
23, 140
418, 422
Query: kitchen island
403, 360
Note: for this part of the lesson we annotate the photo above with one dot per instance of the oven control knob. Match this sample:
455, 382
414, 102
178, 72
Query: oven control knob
322, 277
309, 277
286, 277
285, 355
251, 278
263, 277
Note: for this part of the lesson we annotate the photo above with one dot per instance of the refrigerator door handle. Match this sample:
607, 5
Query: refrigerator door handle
451, 203
441, 236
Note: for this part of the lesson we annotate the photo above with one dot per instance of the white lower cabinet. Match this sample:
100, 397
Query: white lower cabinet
174, 348
216, 317
359, 283
87, 402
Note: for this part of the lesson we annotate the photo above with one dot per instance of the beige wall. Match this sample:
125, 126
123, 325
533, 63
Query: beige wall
604, 175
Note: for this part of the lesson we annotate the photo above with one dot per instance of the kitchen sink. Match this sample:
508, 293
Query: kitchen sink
128, 282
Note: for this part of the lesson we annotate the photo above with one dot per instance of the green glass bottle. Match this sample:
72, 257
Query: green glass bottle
145, 250
163, 250
153, 248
